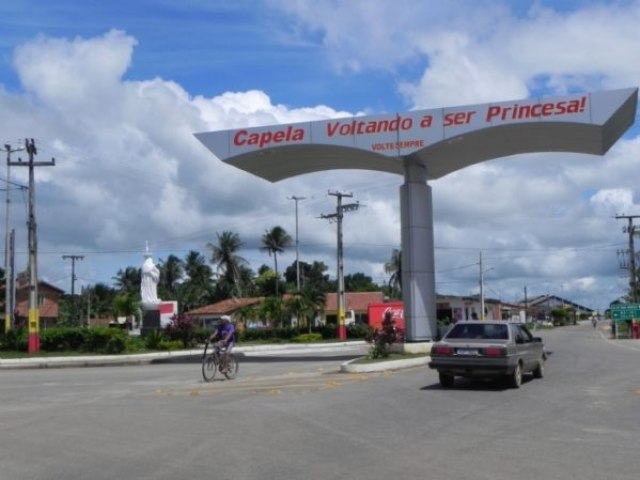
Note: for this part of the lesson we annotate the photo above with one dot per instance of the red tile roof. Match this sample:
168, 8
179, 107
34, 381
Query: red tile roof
225, 307
357, 301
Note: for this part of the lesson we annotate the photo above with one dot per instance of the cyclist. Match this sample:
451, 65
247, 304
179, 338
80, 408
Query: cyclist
226, 335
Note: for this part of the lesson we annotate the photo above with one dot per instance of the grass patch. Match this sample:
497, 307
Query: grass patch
392, 356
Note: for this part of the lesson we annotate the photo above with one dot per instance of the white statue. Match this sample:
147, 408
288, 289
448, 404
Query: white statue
149, 283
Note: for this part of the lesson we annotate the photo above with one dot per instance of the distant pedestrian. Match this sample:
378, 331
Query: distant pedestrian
594, 322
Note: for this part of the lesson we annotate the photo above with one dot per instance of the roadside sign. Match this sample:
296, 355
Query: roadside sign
625, 311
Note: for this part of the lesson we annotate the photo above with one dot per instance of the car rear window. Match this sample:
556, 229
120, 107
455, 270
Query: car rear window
484, 332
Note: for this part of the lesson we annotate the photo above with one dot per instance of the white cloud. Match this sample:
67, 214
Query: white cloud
128, 168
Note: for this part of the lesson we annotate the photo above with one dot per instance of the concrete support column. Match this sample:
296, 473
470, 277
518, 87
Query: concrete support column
418, 265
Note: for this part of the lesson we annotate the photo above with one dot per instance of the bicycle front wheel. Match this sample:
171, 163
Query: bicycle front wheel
232, 367
209, 366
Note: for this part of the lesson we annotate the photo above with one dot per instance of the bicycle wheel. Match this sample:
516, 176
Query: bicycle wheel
209, 365
232, 367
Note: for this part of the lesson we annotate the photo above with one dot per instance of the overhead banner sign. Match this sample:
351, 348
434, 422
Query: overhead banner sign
401, 134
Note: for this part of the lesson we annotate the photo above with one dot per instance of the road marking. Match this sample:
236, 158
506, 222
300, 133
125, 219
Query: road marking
293, 383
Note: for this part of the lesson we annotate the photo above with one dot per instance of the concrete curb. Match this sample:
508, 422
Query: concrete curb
351, 367
147, 358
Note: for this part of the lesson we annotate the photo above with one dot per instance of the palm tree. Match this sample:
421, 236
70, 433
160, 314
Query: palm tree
125, 305
128, 280
274, 242
316, 299
171, 272
197, 288
394, 268
226, 260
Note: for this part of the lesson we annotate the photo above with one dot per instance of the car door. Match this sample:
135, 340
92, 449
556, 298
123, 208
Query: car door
527, 348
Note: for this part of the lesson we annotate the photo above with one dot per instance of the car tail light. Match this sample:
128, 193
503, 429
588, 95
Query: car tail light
443, 350
494, 351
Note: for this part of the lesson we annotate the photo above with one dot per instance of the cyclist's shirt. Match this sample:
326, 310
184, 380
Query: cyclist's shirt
224, 330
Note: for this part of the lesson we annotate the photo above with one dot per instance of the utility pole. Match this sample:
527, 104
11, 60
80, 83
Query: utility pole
8, 252
630, 229
297, 199
33, 342
73, 259
482, 270
340, 209
481, 290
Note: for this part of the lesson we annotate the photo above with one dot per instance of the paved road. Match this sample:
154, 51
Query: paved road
296, 417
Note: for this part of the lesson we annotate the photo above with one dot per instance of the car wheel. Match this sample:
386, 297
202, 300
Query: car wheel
539, 370
515, 380
446, 380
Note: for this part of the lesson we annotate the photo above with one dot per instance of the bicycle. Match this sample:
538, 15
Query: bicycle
212, 362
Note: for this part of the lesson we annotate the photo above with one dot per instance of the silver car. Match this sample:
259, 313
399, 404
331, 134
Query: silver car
488, 349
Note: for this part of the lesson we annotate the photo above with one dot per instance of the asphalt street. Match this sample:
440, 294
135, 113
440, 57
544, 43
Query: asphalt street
296, 416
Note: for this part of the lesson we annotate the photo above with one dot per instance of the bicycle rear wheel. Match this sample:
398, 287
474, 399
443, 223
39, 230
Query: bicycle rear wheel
232, 367
209, 365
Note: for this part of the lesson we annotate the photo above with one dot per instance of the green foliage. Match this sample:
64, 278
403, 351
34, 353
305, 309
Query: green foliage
358, 330
104, 340
200, 335
135, 345
14, 340
61, 339
170, 344
359, 282
153, 338
307, 338
181, 329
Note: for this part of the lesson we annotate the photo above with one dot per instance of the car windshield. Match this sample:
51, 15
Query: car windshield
490, 331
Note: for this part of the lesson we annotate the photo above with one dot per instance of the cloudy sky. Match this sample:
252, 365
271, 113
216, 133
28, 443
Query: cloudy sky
115, 90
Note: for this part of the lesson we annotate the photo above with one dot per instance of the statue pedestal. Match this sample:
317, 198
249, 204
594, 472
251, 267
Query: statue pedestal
150, 321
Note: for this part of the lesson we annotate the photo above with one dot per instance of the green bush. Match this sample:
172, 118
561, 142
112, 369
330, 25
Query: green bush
200, 335
63, 339
170, 344
14, 340
181, 328
307, 338
104, 340
135, 345
358, 330
153, 338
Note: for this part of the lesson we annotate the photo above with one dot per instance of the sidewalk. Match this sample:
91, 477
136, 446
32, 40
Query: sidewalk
148, 358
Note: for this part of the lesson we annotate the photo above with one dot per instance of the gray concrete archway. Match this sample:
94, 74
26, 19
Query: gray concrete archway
424, 145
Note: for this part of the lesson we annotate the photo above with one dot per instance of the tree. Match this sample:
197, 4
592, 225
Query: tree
128, 280
99, 299
359, 282
272, 310
310, 274
225, 257
394, 268
307, 304
171, 273
275, 242
125, 305
197, 288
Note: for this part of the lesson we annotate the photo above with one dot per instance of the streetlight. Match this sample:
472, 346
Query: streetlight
296, 199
